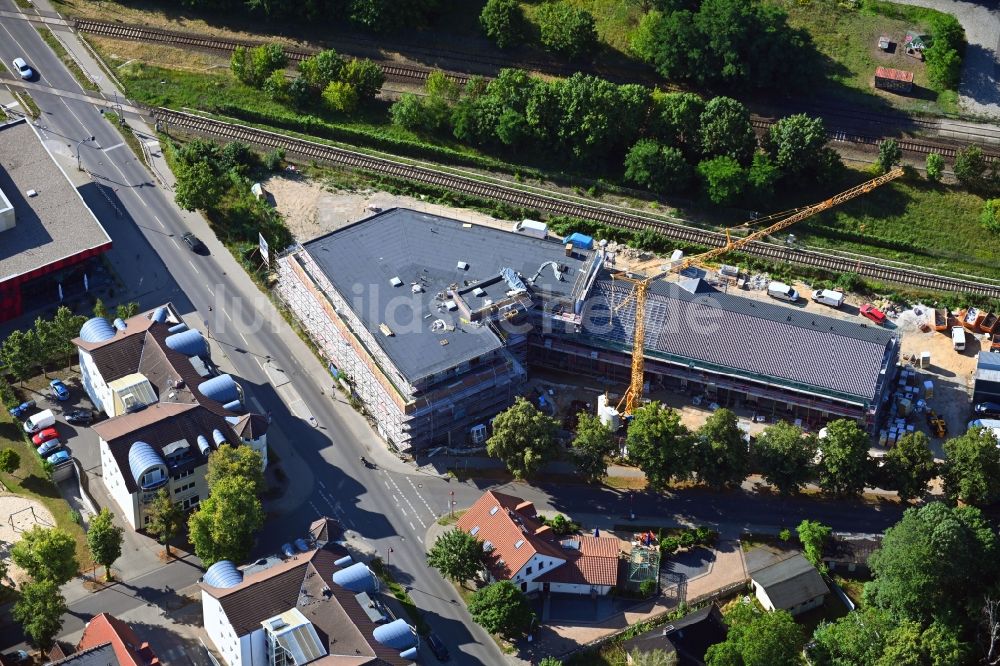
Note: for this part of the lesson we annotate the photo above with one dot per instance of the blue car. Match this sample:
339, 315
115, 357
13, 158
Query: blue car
62, 393
48, 447
58, 457
22, 410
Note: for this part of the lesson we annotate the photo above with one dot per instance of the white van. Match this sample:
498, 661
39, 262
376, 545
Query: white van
829, 297
958, 338
38, 421
782, 292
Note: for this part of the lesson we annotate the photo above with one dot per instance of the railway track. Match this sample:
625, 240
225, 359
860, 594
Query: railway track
410, 74
552, 204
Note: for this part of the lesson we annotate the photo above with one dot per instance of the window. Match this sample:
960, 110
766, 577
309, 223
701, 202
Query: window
520, 542
528, 571
186, 486
182, 475
494, 510
541, 565
474, 531
145, 520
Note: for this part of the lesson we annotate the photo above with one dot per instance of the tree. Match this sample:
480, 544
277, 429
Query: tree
198, 186
762, 176
653, 658
757, 638
796, 144
100, 310
659, 444
784, 455
944, 65
322, 69
909, 466
721, 455
550, 661
341, 97
225, 525
40, 610
990, 217
935, 167
408, 112
726, 130
66, 326
131, 309
9, 461
723, 179
457, 555
239, 462
972, 468
974, 172
566, 30
594, 441
105, 540
523, 438
813, 535
254, 65
19, 354
44, 332
46, 554
889, 155
936, 562
365, 76
677, 119
659, 168
845, 467
501, 608
503, 22
166, 519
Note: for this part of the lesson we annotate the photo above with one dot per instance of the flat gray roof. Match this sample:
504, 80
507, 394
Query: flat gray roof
55, 224
424, 250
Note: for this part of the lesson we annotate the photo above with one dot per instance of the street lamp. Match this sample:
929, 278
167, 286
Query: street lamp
451, 503
80, 143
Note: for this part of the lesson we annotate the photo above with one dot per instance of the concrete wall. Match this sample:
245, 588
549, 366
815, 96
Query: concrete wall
128, 504
95, 386
220, 631
7, 220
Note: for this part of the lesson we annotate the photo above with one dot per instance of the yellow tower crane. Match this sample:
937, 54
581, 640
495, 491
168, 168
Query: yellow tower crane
633, 396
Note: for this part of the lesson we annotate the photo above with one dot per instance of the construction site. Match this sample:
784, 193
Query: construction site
435, 325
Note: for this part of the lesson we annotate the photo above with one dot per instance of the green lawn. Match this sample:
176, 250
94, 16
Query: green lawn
847, 39
616, 20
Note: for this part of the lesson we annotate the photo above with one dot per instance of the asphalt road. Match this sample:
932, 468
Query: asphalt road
386, 508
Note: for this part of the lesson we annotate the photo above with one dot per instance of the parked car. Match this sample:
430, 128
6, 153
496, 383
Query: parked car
782, 292
79, 417
44, 435
438, 648
987, 409
288, 550
49, 447
194, 243
828, 297
873, 313
22, 69
58, 457
62, 393
36, 422
302, 545
22, 410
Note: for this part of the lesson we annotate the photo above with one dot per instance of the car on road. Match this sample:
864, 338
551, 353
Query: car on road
45, 435
79, 417
21, 410
288, 550
58, 457
49, 447
62, 393
194, 243
438, 648
871, 312
987, 409
22, 69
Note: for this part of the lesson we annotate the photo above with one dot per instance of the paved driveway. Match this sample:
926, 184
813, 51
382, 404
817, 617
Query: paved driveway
979, 91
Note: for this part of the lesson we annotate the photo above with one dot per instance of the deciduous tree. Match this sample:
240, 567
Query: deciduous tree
972, 467
677, 119
935, 167
198, 186
40, 610
813, 535
225, 525
105, 540
723, 179
523, 438
166, 519
594, 441
340, 96
240, 462
253, 65
726, 130
457, 555
845, 467
130, 309
20, 354
322, 69
784, 456
66, 327
566, 30
757, 638
659, 444
46, 554
659, 168
9, 461
909, 466
975, 173
503, 22
889, 155
990, 217
501, 608
796, 144
365, 76
721, 455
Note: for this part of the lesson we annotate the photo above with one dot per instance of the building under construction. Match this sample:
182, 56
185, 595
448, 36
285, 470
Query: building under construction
435, 325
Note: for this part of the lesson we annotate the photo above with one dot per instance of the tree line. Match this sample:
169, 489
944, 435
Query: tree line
376, 15
719, 455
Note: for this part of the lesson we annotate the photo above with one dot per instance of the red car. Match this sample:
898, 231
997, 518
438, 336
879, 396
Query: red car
873, 313
44, 436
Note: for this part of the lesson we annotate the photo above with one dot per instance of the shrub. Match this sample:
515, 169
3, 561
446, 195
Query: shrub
935, 167
687, 538
647, 588
723, 179
273, 159
785, 534
503, 22
566, 30
669, 545
991, 215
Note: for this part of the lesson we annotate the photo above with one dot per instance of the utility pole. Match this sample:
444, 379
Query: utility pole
80, 143
451, 502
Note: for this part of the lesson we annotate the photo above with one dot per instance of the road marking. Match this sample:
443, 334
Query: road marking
110, 148
407, 500
224, 312
176, 243
244, 339
411, 526
159, 222
321, 484
417, 491
194, 267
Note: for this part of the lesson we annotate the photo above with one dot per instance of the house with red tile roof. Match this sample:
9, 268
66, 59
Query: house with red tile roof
523, 550
107, 641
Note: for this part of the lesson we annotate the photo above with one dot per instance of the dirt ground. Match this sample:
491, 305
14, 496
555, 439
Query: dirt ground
16, 517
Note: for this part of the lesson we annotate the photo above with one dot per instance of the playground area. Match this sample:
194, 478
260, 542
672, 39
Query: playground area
18, 515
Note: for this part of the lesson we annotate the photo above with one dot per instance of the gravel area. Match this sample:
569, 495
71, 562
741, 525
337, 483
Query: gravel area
979, 92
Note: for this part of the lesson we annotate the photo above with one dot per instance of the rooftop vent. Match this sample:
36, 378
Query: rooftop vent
396, 282
451, 305
386, 331
416, 288
479, 291
462, 266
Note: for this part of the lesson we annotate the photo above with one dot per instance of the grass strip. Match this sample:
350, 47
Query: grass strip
29, 104
402, 596
131, 140
85, 81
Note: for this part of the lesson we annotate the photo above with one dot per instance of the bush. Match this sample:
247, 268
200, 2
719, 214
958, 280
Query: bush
991, 215
669, 545
723, 179
503, 22
273, 159
566, 30
935, 167
7, 395
254, 65
647, 588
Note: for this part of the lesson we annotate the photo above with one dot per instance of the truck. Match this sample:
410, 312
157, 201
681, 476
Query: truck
828, 297
782, 292
958, 338
36, 422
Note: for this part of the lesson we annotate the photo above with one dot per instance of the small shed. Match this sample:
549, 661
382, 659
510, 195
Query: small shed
792, 584
884, 42
896, 80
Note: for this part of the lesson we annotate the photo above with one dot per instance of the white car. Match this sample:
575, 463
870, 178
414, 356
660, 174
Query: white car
22, 68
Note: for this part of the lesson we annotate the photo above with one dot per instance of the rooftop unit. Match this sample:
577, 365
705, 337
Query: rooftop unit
6, 213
